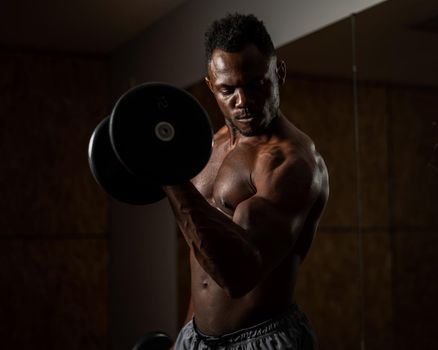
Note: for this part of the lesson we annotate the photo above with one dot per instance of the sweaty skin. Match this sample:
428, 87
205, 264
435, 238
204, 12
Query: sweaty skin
250, 216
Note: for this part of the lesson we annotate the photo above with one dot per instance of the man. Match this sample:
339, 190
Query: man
250, 216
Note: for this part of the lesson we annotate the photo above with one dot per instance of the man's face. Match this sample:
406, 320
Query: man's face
246, 87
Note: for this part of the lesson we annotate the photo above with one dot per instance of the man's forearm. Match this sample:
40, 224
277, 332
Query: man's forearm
220, 245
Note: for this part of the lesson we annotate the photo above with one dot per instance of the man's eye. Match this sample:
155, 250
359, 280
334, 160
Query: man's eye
261, 82
226, 91
257, 84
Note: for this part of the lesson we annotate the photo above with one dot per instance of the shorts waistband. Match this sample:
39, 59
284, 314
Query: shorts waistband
271, 325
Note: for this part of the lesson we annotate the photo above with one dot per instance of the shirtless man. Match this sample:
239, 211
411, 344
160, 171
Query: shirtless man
250, 216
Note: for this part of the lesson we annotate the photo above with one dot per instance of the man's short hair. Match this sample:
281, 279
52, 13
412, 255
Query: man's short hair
233, 32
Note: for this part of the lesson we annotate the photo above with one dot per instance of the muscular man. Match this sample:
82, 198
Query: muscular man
250, 216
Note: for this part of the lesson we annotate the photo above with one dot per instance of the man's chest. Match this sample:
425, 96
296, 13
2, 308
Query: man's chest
226, 180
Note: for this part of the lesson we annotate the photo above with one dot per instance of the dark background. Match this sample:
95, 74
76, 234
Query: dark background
370, 279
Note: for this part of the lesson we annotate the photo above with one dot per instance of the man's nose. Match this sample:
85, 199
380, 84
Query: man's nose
242, 99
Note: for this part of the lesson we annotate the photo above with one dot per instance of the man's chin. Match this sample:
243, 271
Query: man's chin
253, 128
250, 131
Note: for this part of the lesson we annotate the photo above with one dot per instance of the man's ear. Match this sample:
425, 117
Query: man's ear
208, 82
281, 72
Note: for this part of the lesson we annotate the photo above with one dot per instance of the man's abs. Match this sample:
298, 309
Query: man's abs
216, 313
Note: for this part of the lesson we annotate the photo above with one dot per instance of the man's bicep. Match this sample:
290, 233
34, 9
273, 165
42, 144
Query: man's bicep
269, 231
262, 219
275, 215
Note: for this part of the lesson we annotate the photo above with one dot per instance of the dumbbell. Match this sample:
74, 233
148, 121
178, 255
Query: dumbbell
154, 341
157, 134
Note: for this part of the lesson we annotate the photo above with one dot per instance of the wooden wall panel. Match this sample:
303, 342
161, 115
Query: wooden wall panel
53, 226
412, 138
54, 294
49, 108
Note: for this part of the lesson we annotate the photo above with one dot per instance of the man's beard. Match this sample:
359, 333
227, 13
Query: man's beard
260, 128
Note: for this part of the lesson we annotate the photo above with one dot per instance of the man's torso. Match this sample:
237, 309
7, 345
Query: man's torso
225, 182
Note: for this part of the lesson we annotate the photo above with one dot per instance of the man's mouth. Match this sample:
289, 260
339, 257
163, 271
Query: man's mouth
245, 117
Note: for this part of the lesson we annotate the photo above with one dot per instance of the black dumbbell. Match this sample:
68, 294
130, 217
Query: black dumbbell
157, 135
154, 341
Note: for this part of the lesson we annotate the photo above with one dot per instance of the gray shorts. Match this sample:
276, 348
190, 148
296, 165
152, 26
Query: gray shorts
290, 330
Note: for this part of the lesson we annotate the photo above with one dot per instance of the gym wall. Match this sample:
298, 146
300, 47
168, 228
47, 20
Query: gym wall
54, 221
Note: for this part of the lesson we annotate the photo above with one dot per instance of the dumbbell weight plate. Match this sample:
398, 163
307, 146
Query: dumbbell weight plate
161, 132
113, 177
154, 341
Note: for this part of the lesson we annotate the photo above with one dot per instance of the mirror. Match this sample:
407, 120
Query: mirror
397, 95
365, 89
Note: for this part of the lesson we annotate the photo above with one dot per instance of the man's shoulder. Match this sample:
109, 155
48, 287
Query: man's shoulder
293, 158
300, 148
287, 151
